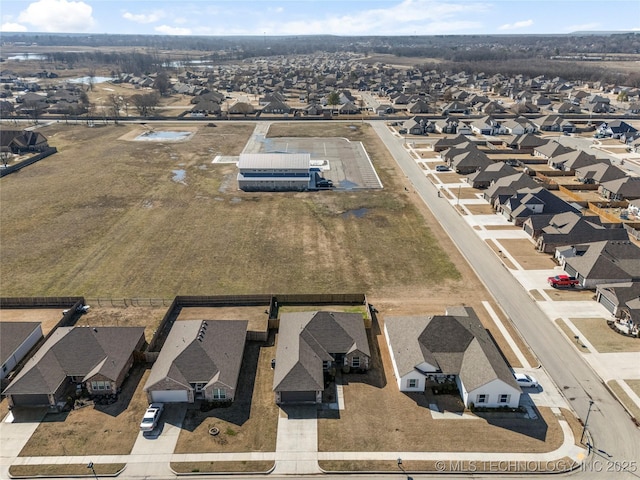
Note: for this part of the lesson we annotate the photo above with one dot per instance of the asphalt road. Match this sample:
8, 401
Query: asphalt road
610, 427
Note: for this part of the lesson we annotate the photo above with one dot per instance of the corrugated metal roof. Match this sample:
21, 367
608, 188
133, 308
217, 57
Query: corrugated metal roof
275, 160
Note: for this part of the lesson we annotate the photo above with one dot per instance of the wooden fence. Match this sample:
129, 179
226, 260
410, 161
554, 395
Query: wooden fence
31, 160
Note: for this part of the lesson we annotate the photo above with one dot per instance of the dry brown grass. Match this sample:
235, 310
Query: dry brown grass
569, 294
570, 335
407, 418
574, 423
75, 469
218, 467
47, 317
603, 338
122, 227
250, 423
525, 253
634, 385
624, 398
482, 209
498, 250
132, 316
93, 430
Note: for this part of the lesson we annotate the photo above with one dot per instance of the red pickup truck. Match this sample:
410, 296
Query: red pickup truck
563, 281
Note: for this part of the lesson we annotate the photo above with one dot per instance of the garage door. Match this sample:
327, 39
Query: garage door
30, 400
169, 396
297, 397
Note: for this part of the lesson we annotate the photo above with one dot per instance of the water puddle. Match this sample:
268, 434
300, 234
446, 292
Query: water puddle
358, 213
160, 135
179, 175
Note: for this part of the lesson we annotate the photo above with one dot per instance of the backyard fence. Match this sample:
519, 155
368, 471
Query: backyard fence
27, 162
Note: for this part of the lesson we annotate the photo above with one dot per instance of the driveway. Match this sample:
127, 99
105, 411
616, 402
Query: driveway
15, 430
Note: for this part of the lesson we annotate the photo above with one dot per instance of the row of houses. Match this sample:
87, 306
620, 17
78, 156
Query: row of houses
200, 360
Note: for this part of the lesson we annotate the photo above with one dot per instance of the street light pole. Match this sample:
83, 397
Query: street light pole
584, 428
93, 470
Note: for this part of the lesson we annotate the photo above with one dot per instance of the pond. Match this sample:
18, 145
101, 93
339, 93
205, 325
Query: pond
178, 175
27, 56
162, 135
85, 80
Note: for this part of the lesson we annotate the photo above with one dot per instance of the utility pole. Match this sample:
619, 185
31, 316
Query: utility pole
586, 420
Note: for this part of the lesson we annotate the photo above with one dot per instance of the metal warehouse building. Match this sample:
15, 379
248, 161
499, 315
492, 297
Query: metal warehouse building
274, 171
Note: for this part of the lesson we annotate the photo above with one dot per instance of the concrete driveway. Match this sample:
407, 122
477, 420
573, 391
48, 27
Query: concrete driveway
15, 431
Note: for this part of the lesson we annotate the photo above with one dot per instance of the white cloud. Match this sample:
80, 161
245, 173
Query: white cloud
408, 17
12, 27
58, 16
144, 18
169, 30
516, 25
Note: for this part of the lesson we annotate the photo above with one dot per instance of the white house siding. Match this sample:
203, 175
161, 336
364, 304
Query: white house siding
403, 384
393, 360
493, 390
21, 351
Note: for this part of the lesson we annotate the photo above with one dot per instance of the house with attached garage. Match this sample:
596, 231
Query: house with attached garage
451, 348
16, 340
200, 360
95, 358
312, 343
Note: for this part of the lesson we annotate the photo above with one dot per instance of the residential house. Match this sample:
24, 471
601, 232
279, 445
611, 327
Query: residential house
16, 340
503, 188
96, 358
21, 141
598, 173
519, 126
456, 107
525, 143
453, 348
533, 201
550, 149
484, 177
615, 129
568, 228
467, 160
276, 107
200, 360
486, 126
624, 188
443, 144
312, 343
571, 160
616, 296
554, 123
604, 262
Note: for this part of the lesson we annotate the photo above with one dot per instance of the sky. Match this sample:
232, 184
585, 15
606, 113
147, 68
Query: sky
309, 17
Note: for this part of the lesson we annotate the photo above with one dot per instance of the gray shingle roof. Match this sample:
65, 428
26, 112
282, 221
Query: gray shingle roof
456, 342
76, 351
610, 259
12, 335
201, 351
306, 339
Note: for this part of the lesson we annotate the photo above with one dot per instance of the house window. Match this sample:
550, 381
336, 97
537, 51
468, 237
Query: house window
198, 387
355, 362
504, 398
482, 398
100, 385
412, 383
219, 394
325, 365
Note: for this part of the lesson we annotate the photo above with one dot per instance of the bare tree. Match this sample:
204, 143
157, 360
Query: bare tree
145, 103
162, 83
115, 103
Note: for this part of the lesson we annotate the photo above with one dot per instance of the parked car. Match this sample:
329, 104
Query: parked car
151, 417
563, 281
525, 380
442, 168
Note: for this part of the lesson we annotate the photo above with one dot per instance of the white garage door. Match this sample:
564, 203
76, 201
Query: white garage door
169, 396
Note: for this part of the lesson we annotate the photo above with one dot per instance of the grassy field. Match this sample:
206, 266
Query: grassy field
103, 217
75, 469
222, 467
624, 398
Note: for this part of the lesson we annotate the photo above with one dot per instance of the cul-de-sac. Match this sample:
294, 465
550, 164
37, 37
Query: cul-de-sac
372, 256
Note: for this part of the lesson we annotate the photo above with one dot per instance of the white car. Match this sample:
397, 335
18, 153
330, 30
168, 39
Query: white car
151, 417
525, 380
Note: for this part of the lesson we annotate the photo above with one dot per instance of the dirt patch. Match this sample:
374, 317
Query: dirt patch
480, 209
134, 133
94, 430
603, 338
574, 423
47, 317
147, 317
257, 316
501, 227
524, 252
